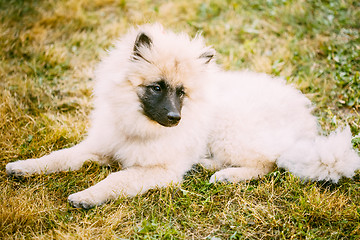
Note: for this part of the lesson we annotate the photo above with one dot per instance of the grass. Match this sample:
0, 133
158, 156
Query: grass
48, 51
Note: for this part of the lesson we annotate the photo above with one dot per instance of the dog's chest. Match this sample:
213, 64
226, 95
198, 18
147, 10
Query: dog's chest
149, 153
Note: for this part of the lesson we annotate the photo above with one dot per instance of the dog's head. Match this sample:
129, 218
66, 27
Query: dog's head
166, 68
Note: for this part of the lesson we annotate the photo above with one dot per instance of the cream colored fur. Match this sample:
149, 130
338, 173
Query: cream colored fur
240, 123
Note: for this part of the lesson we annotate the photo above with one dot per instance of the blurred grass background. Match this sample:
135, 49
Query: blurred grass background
48, 50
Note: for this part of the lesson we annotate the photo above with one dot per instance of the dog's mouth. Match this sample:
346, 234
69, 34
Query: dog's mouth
169, 124
171, 120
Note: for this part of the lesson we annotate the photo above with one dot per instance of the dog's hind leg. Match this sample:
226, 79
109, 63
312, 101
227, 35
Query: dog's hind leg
237, 174
211, 164
61, 160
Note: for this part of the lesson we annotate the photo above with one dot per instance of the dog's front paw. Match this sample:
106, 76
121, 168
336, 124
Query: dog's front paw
18, 169
85, 199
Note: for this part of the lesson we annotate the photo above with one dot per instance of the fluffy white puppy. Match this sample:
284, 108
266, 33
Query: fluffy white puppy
162, 105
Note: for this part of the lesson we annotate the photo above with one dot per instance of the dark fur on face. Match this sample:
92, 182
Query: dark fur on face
162, 103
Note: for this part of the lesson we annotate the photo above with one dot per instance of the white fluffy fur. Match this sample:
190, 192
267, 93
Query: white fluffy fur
261, 121
241, 123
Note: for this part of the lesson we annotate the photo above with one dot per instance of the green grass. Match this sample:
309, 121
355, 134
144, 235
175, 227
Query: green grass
48, 50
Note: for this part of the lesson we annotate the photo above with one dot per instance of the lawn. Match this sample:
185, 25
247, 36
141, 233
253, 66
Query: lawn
48, 50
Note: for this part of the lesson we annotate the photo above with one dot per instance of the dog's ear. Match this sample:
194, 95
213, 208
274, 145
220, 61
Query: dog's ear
142, 40
208, 55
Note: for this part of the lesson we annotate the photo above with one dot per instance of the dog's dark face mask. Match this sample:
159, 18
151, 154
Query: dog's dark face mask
160, 101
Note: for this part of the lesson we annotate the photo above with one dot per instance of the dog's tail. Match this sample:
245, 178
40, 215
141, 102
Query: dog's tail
323, 158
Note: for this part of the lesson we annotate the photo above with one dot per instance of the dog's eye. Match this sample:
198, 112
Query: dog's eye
156, 88
180, 92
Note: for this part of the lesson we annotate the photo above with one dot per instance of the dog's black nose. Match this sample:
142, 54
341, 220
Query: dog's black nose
173, 117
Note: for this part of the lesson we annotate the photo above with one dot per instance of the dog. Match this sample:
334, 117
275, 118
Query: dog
161, 105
